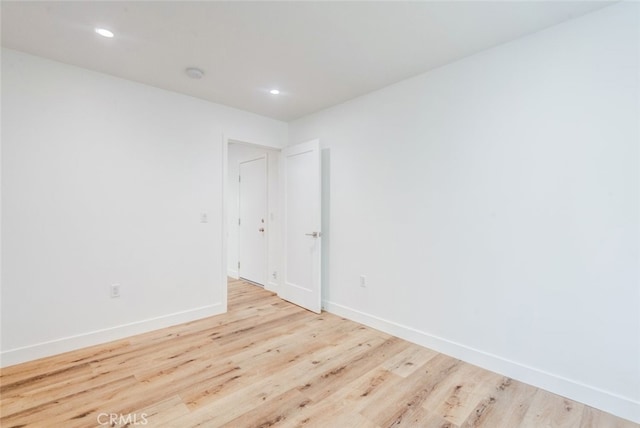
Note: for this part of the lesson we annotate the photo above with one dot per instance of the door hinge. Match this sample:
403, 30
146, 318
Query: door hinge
239, 179
238, 222
238, 265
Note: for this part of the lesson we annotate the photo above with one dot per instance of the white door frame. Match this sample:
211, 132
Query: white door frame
226, 140
224, 238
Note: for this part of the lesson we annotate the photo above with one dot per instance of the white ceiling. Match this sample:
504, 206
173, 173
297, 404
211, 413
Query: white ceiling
317, 53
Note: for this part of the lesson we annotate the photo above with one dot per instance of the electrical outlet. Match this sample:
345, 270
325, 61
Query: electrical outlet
115, 290
274, 274
363, 281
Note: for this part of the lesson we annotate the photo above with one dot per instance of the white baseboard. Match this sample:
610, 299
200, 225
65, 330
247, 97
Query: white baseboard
65, 344
233, 273
272, 286
620, 406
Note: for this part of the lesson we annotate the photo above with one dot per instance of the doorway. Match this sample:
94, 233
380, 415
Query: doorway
291, 236
252, 203
252, 220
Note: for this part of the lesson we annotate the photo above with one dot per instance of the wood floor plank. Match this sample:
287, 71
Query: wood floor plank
217, 411
270, 363
504, 407
46, 366
420, 417
272, 378
155, 414
592, 418
550, 410
434, 375
465, 389
275, 412
286, 369
347, 401
359, 362
17, 402
408, 361
317, 418
70, 409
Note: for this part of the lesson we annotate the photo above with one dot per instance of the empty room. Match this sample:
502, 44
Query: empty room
320, 214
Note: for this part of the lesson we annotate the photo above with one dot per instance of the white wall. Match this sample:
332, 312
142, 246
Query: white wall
239, 153
104, 181
493, 206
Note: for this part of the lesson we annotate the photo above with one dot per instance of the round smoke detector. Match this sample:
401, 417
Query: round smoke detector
194, 73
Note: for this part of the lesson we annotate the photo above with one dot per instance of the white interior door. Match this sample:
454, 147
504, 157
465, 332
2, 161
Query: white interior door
301, 225
252, 222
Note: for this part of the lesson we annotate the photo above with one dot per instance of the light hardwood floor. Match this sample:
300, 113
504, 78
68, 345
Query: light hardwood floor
270, 363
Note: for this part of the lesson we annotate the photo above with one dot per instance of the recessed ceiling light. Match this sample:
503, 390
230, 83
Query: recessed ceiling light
274, 92
194, 73
104, 32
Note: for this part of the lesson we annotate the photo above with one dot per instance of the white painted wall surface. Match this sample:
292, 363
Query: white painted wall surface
104, 181
493, 206
239, 153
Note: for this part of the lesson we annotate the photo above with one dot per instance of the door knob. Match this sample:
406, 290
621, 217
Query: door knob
261, 229
314, 234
